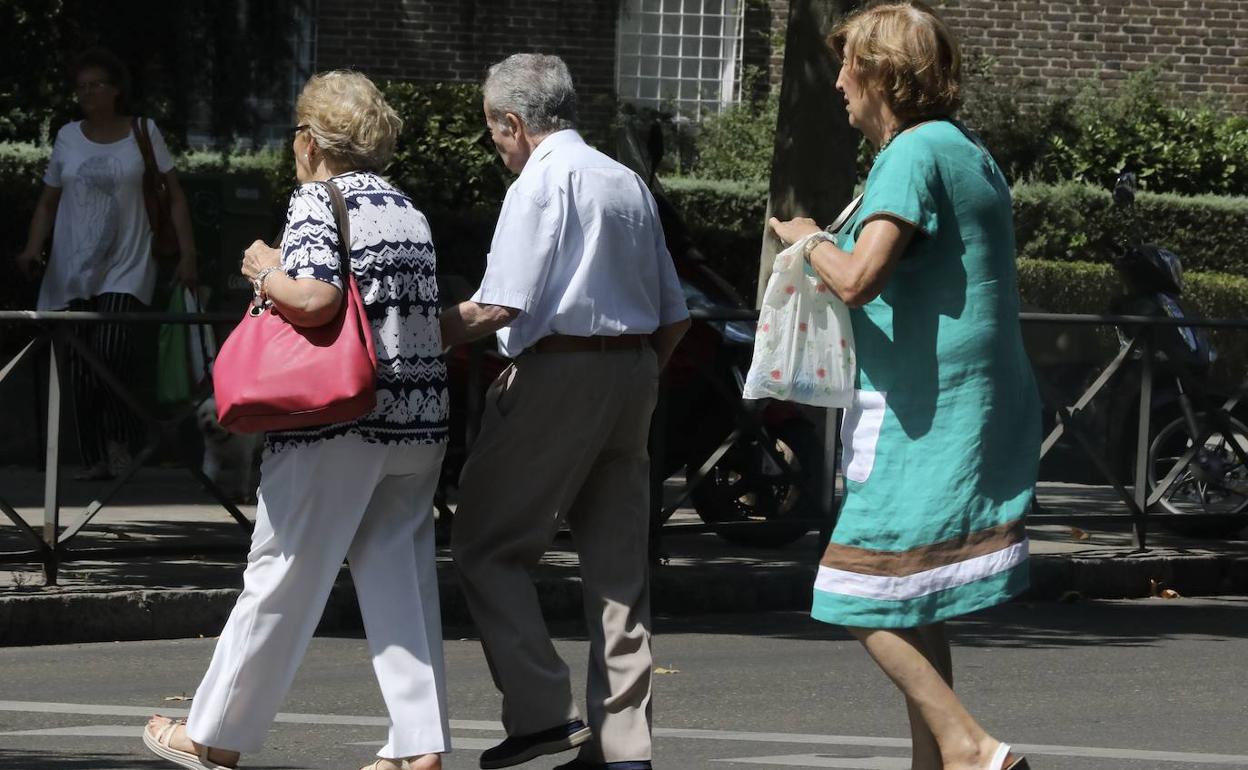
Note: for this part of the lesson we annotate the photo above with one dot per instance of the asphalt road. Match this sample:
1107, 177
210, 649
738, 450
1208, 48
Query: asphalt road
1136, 685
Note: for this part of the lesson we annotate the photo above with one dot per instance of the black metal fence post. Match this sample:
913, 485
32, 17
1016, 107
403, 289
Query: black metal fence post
52, 458
1140, 524
827, 480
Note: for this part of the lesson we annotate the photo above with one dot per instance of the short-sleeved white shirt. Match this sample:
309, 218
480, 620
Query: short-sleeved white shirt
579, 250
102, 239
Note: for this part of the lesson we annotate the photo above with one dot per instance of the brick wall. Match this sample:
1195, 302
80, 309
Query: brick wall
440, 40
1205, 42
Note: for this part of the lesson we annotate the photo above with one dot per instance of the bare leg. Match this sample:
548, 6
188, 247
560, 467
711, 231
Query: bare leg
925, 752
962, 743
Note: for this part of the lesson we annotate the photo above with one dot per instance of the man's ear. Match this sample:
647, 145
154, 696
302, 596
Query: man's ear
513, 123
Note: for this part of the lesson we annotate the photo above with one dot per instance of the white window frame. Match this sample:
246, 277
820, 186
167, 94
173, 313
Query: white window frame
680, 55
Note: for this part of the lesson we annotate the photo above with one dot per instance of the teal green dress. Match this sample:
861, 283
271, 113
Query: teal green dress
941, 446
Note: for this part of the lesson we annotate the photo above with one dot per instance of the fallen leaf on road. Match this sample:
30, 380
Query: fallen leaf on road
1078, 534
661, 670
1170, 593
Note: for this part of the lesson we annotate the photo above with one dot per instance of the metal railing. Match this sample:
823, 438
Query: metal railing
50, 545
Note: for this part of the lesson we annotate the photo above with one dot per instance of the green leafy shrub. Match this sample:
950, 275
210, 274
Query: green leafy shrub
1175, 144
1087, 133
737, 143
444, 158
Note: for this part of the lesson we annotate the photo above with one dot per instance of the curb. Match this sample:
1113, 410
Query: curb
138, 614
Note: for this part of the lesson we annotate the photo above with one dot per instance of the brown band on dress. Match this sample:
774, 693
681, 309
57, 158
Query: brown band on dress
866, 561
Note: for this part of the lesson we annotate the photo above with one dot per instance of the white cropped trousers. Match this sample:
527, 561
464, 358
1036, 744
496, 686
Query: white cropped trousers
372, 503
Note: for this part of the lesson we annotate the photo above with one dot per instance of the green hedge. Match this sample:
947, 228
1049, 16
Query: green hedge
1068, 222
1087, 287
1079, 222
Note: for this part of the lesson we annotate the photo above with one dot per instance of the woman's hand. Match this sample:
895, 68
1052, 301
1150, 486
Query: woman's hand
29, 264
187, 270
794, 230
257, 257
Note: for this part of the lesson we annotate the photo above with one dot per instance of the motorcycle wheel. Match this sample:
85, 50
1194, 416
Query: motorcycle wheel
1215, 482
748, 486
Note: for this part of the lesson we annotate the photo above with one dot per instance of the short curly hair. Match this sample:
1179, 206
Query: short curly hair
114, 69
905, 50
349, 118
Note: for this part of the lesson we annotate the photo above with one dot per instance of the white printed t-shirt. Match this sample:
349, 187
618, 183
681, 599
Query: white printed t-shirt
102, 240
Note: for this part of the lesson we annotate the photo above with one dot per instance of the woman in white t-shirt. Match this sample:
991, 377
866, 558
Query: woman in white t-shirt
101, 257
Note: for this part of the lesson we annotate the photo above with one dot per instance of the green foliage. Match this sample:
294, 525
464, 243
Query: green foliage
32, 91
1078, 222
715, 204
1019, 120
1175, 144
445, 159
230, 60
738, 143
1085, 287
1087, 133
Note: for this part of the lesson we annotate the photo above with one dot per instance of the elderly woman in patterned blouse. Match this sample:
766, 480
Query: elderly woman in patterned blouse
361, 489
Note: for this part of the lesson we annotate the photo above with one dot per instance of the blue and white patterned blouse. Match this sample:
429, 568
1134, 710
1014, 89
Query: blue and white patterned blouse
394, 264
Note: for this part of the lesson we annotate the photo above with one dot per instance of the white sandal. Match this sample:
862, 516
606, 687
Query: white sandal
400, 764
159, 746
1003, 755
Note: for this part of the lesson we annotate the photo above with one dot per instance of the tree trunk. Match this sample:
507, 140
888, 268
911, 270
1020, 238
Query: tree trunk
813, 167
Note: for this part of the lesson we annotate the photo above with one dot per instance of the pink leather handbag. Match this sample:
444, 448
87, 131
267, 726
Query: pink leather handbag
273, 375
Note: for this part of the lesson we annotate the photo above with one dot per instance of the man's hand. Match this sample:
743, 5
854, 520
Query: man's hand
470, 321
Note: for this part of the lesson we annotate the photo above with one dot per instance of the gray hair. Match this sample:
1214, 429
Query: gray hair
535, 88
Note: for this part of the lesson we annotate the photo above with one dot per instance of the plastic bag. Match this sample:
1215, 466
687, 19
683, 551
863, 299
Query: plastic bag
184, 352
804, 346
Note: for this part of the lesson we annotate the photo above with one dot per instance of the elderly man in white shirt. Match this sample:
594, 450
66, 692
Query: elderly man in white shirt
582, 293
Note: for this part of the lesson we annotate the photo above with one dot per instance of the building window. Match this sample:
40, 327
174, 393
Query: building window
680, 55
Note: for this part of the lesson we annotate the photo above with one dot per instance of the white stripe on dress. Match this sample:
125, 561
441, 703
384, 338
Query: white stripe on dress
899, 588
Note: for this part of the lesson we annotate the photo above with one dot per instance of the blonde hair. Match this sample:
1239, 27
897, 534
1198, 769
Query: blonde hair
906, 51
349, 118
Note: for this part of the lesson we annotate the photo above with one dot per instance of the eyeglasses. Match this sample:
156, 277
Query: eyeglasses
91, 86
300, 127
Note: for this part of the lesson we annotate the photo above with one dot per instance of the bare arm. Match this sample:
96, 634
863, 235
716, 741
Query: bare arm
303, 302
665, 339
856, 277
187, 270
41, 223
470, 321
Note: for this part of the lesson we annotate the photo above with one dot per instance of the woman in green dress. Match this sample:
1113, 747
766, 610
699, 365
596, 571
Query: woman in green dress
941, 446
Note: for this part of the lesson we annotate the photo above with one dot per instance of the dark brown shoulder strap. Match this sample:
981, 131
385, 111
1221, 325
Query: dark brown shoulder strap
343, 221
139, 125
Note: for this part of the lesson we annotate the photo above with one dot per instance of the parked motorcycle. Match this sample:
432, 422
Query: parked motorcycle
1198, 444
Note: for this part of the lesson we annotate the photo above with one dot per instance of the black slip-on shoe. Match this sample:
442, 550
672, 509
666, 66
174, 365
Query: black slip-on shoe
580, 764
517, 749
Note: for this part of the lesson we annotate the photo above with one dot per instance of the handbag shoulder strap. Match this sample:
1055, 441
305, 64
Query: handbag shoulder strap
845, 216
343, 223
141, 135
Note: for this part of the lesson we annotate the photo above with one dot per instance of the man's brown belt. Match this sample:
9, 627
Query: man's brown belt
563, 343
